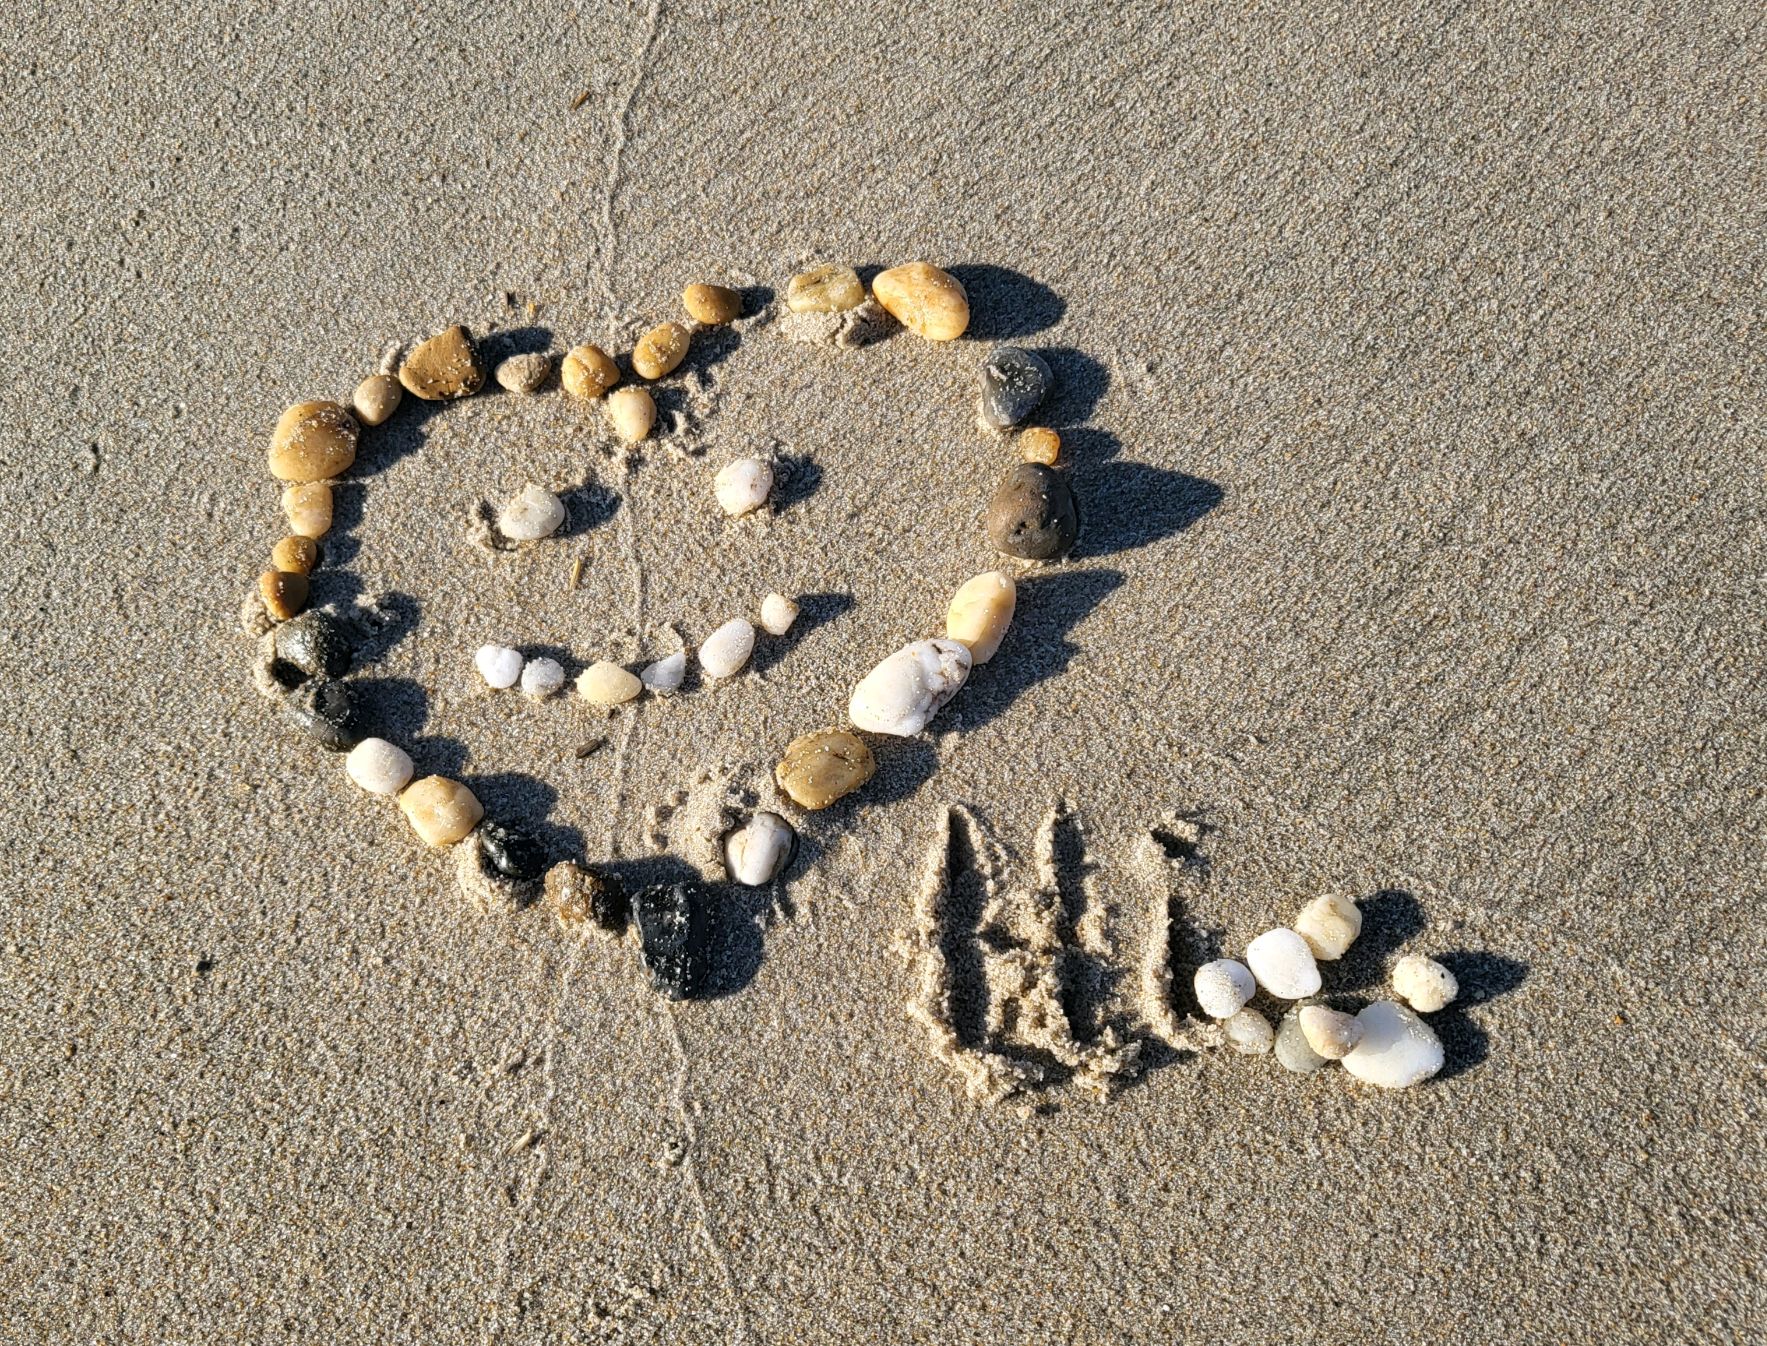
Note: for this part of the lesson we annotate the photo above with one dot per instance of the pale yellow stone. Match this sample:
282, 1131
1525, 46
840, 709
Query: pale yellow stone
443, 368
819, 768
1329, 924
825, 289
607, 684
713, 305
1040, 444
307, 507
441, 811
631, 412
376, 398
588, 372
659, 350
313, 441
284, 593
980, 612
295, 554
927, 301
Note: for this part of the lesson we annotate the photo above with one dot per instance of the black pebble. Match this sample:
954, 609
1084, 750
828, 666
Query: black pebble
327, 712
674, 934
511, 853
1014, 383
1033, 514
314, 643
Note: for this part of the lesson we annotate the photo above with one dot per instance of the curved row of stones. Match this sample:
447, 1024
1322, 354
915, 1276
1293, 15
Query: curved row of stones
305, 655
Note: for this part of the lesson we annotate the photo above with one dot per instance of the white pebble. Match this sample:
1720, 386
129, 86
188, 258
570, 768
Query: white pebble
743, 486
665, 675
1424, 984
777, 614
1331, 1033
1293, 1051
1329, 924
534, 513
1223, 987
727, 649
1283, 964
1398, 1049
1248, 1032
757, 854
903, 693
379, 767
498, 665
542, 677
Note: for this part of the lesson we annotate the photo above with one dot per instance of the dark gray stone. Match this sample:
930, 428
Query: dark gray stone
315, 644
327, 712
1014, 383
511, 852
675, 937
1033, 514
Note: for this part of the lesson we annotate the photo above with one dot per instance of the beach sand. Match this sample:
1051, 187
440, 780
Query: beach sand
1410, 374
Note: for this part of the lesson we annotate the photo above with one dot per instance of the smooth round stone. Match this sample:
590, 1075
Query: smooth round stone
376, 398
1424, 984
825, 289
726, 651
1330, 1033
523, 373
758, 853
903, 693
777, 614
1397, 1050
313, 441
631, 412
1014, 383
927, 301
743, 485
441, 811
1248, 1032
1223, 987
295, 554
1040, 444
284, 592
315, 643
512, 852
443, 368
819, 768
1293, 1051
1283, 964
534, 513
542, 677
607, 684
588, 372
326, 712
666, 674
578, 894
1033, 514
1329, 924
713, 305
675, 937
307, 507
660, 350
379, 767
980, 612
498, 665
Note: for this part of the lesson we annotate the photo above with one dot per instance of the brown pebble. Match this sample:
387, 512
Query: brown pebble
827, 288
590, 748
1033, 514
1040, 445
312, 441
713, 305
659, 350
588, 372
295, 554
284, 593
443, 368
376, 398
817, 769
307, 507
441, 811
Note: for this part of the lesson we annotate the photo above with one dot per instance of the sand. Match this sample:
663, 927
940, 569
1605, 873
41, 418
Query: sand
1411, 370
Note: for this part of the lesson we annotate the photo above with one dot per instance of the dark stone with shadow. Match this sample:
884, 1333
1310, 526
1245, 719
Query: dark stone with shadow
1032, 514
326, 712
512, 851
315, 644
1014, 383
674, 934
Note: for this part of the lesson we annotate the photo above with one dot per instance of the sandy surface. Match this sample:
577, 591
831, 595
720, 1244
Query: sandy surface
1412, 373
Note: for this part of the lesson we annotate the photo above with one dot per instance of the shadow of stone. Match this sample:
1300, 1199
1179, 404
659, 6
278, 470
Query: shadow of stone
1080, 383
1125, 505
1389, 918
1037, 645
737, 913
1004, 304
495, 347
795, 479
384, 445
814, 611
1482, 977
588, 506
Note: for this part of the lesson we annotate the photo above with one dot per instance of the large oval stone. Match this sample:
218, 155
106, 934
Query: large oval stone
1033, 514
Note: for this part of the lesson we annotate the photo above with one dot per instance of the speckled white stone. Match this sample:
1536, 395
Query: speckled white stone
379, 767
903, 693
542, 677
1283, 964
665, 675
726, 651
777, 614
1329, 924
1397, 1050
1223, 987
1331, 1033
534, 513
1248, 1032
743, 485
757, 853
1424, 984
498, 665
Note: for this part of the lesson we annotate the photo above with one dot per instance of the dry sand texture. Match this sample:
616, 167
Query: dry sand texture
1411, 367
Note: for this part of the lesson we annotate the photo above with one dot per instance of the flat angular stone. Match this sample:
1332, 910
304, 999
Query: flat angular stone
675, 937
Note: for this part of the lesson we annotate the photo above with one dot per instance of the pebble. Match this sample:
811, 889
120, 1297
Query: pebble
903, 693
674, 937
821, 767
512, 852
376, 398
307, 507
524, 373
295, 554
1032, 514
980, 612
1283, 964
498, 665
443, 368
1293, 1051
542, 677
588, 372
927, 301
743, 485
713, 305
1329, 924
1014, 383
441, 811
1040, 444
379, 767
312, 442
1331, 1033
534, 513
827, 288
758, 853
605, 683
1248, 1032
1397, 1049
659, 350
777, 614
326, 712
1424, 984
1223, 987
666, 674
631, 413
726, 651
284, 592
579, 894
316, 643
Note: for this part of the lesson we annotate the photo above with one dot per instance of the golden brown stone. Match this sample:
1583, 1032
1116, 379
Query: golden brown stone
927, 301
825, 289
819, 768
713, 305
659, 350
312, 441
284, 593
443, 368
441, 811
1040, 445
307, 507
588, 372
295, 554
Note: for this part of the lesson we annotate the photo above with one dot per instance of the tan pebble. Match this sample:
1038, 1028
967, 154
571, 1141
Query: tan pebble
284, 593
524, 373
1329, 924
1040, 445
312, 441
980, 612
825, 289
578, 895
376, 398
927, 301
441, 811
819, 768
296, 554
713, 305
443, 368
659, 350
631, 413
607, 684
588, 372
1331, 1033
307, 507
